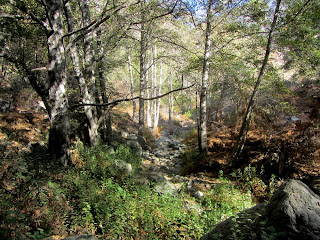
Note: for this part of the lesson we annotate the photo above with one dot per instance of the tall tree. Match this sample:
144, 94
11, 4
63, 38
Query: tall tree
203, 118
143, 68
247, 117
134, 102
55, 95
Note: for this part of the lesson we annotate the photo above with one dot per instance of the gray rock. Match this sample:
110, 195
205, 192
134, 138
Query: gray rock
294, 119
174, 145
292, 213
161, 153
123, 167
142, 141
136, 147
295, 209
156, 177
198, 194
166, 187
162, 142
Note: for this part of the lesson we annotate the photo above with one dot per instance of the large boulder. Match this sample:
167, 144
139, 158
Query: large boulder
295, 209
292, 213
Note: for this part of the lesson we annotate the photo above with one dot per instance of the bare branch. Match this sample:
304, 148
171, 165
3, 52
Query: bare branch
116, 102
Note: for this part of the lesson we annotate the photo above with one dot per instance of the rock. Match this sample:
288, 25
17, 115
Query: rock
124, 134
174, 145
81, 237
292, 213
136, 147
148, 148
156, 177
142, 141
198, 194
162, 142
161, 153
122, 167
295, 209
166, 187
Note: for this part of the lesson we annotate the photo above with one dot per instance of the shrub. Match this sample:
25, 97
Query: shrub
224, 200
192, 160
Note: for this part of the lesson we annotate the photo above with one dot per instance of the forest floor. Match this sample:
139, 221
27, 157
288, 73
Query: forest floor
271, 155
290, 149
284, 146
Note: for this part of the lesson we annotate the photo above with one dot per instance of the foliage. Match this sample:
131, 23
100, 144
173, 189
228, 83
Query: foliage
93, 197
223, 201
250, 180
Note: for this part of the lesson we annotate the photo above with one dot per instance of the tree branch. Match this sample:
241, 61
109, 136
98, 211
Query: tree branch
116, 102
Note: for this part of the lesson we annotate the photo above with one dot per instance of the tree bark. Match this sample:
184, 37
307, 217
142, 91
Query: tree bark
247, 117
59, 138
105, 116
143, 70
149, 89
89, 86
203, 145
170, 100
158, 101
134, 103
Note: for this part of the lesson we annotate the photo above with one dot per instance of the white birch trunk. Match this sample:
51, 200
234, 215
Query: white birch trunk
149, 91
170, 99
158, 101
134, 103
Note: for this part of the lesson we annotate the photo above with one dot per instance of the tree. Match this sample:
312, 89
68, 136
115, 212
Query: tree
203, 118
247, 117
143, 68
134, 104
55, 95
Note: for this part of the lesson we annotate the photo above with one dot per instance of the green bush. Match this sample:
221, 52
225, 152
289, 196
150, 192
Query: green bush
223, 201
93, 197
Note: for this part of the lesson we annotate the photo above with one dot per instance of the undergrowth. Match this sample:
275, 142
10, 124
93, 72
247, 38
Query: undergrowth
38, 200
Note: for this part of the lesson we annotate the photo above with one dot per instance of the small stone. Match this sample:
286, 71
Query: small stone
198, 194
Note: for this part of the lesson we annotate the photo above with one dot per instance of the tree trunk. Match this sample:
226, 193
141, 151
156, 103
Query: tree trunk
89, 86
149, 90
170, 100
203, 145
247, 117
105, 115
158, 101
143, 70
59, 138
134, 103
219, 108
